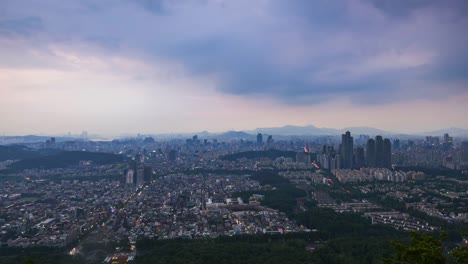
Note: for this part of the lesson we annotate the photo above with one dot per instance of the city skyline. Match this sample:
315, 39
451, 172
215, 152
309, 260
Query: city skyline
282, 131
156, 67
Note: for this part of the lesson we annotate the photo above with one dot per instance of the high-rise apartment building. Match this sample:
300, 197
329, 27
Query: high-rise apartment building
464, 151
259, 138
387, 153
370, 153
347, 150
379, 152
359, 158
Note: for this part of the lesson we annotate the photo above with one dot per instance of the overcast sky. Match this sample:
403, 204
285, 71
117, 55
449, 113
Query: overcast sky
159, 66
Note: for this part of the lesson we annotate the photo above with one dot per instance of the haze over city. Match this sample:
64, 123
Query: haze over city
233, 131
147, 66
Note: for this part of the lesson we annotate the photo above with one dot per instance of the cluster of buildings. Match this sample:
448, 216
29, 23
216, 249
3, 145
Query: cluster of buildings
163, 194
377, 154
269, 140
195, 206
399, 220
438, 197
137, 174
432, 152
288, 164
324, 200
352, 207
382, 153
50, 143
379, 174
43, 213
84, 169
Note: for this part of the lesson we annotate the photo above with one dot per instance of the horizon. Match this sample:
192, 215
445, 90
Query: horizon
93, 136
184, 66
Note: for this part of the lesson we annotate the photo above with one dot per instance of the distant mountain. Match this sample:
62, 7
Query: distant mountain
283, 131
203, 134
296, 131
317, 131
452, 131
366, 131
229, 135
235, 135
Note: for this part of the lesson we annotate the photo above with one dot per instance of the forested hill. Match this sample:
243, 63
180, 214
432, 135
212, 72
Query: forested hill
63, 159
17, 152
271, 153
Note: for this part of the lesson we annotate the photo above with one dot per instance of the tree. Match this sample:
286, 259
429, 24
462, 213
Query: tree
29, 261
423, 249
460, 255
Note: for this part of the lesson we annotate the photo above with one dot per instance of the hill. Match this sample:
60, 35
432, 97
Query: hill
318, 131
64, 159
16, 152
271, 153
236, 135
452, 131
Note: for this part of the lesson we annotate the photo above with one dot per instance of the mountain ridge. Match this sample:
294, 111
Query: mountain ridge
287, 130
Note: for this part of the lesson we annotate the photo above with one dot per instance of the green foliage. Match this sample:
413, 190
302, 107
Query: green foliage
271, 178
283, 198
333, 225
289, 248
41, 258
64, 159
217, 171
423, 249
16, 152
352, 250
271, 154
460, 255
232, 250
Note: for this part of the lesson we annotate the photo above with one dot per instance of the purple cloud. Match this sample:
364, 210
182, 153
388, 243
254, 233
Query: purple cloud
297, 52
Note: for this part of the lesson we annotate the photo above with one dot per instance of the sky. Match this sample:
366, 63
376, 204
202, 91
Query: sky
160, 66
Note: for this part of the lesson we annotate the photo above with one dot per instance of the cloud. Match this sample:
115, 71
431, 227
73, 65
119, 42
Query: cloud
402, 9
23, 26
293, 52
154, 6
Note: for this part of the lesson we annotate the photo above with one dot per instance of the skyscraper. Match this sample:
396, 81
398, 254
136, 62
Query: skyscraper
347, 150
259, 138
396, 144
130, 177
359, 158
370, 153
148, 173
448, 141
171, 155
379, 152
446, 138
387, 153
140, 177
464, 151
270, 139
195, 139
